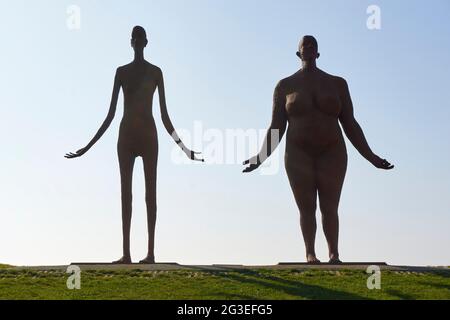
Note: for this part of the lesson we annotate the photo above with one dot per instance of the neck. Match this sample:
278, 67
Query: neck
309, 65
139, 55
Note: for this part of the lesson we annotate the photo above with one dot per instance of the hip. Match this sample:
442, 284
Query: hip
298, 151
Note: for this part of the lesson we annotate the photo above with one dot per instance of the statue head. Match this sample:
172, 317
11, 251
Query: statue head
138, 38
308, 49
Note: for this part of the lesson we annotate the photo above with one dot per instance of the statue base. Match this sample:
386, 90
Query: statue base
123, 264
333, 264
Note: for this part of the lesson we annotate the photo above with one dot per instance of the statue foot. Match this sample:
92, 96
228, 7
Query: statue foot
312, 259
150, 259
334, 259
123, 260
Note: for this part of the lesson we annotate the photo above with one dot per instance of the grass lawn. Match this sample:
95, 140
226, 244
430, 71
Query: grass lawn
229, 284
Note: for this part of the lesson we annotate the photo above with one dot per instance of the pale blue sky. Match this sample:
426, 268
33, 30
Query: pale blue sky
221, 61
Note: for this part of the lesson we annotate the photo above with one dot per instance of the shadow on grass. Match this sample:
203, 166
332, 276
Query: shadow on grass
400, 295
437, 285
444, 273
234, 296
296, 289
441, 272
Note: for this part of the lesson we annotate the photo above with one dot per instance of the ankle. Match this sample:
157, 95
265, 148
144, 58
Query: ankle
334, 256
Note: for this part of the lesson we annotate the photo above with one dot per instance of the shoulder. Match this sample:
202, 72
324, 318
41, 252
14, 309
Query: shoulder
332, 77
122, 69
156, 72
291, 82
340, 82
154, 69
284, 84
342, 87
119, 73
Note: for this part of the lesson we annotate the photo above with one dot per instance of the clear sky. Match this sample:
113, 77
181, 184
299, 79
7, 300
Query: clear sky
221, 60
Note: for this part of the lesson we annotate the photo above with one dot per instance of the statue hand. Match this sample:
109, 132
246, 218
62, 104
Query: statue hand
381, 163
77, 154
192, 155
254, 164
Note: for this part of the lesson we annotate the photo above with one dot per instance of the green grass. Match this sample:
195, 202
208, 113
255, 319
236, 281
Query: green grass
236, 284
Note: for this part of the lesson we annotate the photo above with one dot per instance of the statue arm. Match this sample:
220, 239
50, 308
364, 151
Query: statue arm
166, 119
111, 113
275, 132
106, 123
353, 130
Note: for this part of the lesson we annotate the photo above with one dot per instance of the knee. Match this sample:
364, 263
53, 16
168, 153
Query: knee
126, 195
329, 210
308, 210
126, 188
150, 200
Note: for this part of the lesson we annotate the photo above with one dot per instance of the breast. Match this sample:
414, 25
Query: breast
329, 103
298, 103
304, 103
140, 87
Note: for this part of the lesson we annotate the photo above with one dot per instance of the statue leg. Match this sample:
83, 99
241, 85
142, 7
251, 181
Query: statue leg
330, 172
126, 164
300, 171
150, 160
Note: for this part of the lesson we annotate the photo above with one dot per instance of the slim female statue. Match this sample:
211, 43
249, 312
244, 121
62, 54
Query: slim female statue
313, 102
137, 135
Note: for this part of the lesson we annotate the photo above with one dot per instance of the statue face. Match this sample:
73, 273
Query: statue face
138, 38
308, 49
139, 43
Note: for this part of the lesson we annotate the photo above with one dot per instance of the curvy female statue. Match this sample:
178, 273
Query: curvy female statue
137, 136
313, 102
